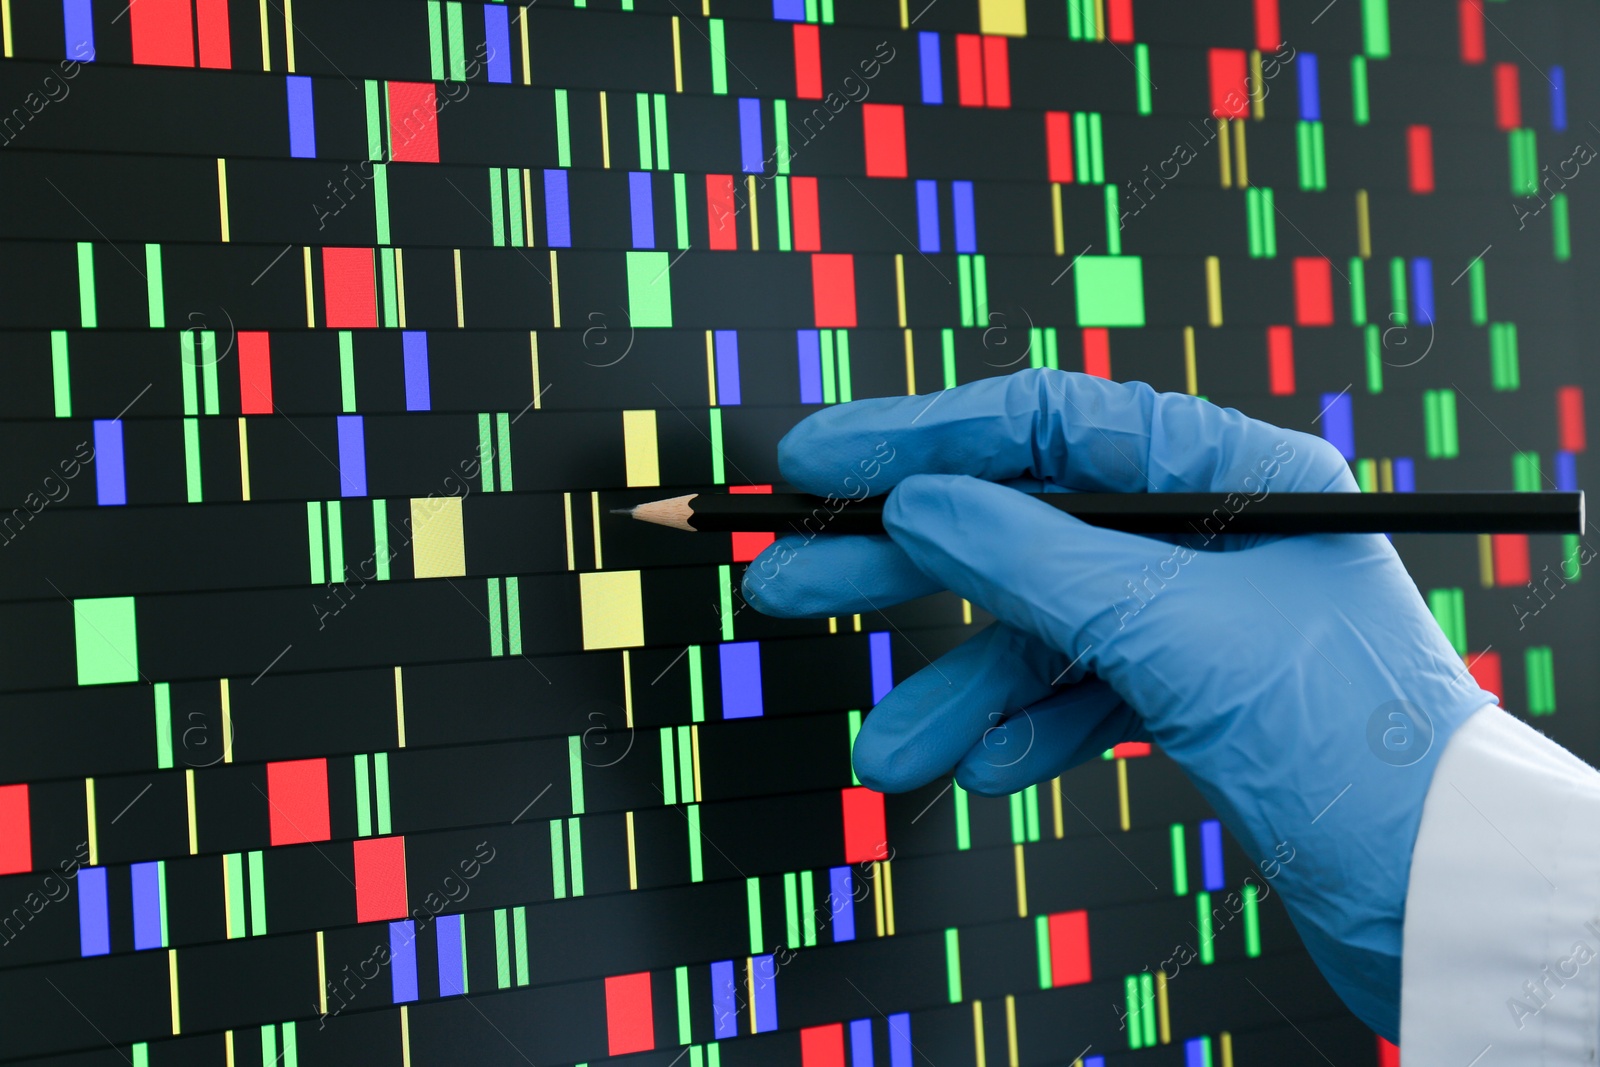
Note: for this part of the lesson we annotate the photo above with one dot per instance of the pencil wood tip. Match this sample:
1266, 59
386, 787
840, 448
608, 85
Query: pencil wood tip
674, 512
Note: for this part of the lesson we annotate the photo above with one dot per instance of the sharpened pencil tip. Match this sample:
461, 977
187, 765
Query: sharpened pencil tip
622, 511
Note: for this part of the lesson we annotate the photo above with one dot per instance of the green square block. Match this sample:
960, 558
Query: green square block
1110, 290
649, 289
107, 640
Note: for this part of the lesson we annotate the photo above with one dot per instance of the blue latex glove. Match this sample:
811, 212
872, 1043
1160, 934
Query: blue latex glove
1268, 667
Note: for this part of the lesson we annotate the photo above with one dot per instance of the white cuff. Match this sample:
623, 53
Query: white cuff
1501, 963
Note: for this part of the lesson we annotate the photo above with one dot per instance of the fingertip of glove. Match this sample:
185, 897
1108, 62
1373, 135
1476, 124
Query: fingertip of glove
882, 772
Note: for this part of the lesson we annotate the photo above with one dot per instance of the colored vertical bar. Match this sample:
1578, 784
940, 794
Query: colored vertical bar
931, 68
1252, 923
1360, 106
663, 157
969, 70
721, 213
258, 894
807, 63
741, 679
94, 912
996, 71
1338, 424
1309, 84
414, 348
302, 118
255, 372
642, 207
1143, 86
88, 308
1558, 98
403, 960
563, 130
727, 360
1180, 861
763, 976
61, 374
1119, 21
1058, 135
807, 219
557, 221
519, 926
752, 890
841, 903
1211, 854
750, 154
149, 919
1469, 16
110, 478
497, 41
78, 24
1375, 28
502, 950
809, 348
881, 663
1419, 156
436, 40
1280, 360
450, 936
724, 1000
719, 56
352, 456
966, 224
1507, 96
952, 959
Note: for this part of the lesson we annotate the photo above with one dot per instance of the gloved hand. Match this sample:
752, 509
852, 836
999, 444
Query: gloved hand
1300, 682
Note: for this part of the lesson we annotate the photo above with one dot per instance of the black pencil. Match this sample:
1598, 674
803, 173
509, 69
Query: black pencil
1168, 513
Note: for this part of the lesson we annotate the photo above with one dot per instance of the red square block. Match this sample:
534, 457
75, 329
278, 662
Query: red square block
883, 127
413, 123
349, 290
865, 836
297, 796
162, 32
822, 1046
833, 289
630, 1019
380, 864
1069, 948
1230, 86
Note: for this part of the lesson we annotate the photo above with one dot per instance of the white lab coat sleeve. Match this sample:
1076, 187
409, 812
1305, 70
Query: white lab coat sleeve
1501, 958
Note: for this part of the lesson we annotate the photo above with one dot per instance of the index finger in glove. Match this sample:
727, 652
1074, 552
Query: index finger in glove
1075, 430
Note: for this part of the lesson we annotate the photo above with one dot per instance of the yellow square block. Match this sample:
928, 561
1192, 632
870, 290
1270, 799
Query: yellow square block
438, 547
613, 609
1008, 17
